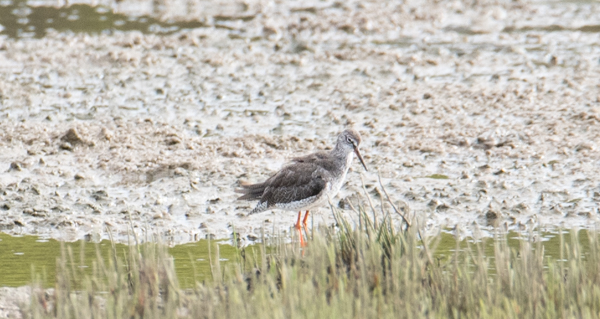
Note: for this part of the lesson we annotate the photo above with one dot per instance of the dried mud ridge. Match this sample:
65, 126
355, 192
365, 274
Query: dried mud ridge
472, 115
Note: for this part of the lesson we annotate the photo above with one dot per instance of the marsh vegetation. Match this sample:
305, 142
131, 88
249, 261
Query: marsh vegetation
372, 269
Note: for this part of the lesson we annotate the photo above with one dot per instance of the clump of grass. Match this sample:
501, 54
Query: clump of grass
375, 269
141, 283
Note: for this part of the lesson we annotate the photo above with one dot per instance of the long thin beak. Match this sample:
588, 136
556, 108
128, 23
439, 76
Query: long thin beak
360, 158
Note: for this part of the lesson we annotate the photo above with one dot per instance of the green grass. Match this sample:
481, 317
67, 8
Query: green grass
375, 269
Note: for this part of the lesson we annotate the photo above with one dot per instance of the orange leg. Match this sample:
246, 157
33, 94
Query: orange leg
304, 223
299, 229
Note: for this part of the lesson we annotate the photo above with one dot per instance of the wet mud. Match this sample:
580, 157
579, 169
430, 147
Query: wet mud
474, 116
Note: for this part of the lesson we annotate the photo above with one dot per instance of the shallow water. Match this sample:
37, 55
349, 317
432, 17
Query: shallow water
33, 19
20, 19
26, 255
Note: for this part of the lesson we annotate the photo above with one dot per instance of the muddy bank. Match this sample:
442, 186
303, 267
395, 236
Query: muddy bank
471, 115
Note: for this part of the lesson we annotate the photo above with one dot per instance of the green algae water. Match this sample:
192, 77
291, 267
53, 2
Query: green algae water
22, 258
18, 19
447, 245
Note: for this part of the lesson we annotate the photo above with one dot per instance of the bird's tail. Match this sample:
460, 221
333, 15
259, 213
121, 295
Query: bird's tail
251, 191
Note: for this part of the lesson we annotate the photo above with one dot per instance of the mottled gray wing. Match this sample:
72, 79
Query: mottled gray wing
294, 183
311, 158
321, 159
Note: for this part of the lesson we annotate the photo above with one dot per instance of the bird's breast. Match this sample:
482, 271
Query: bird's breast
339, 181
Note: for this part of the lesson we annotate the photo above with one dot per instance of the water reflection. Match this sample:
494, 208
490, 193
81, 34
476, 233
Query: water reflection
19, 20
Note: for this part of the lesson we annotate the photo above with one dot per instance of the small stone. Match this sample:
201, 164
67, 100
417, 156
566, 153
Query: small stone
66, 146
585, 214
433, 203
99, 195
14, 166
491, 214
72, 136
501, 171
344, 203
180, 172
173, 140
521, 207
442, 208
482, 184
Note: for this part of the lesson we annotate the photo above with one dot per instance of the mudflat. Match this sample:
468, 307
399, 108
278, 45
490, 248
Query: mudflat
473, 115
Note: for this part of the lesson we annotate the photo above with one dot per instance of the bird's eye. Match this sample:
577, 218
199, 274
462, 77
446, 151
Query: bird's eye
349, 141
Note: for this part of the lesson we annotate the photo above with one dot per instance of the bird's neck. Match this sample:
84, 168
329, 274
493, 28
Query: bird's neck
343, 156
339, 152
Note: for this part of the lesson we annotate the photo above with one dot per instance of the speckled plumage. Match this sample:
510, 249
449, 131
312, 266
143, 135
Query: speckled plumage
307, 181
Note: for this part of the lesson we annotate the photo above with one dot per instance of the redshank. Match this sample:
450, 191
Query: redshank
307, 182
